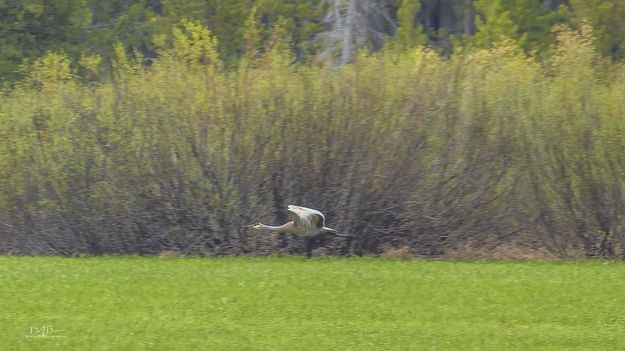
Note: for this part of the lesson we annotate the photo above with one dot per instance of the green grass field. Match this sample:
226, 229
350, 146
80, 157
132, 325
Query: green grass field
137, 303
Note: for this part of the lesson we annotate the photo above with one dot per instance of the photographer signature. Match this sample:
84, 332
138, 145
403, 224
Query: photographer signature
44, 331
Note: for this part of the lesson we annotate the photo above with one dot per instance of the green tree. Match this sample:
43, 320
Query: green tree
229, 20
408, 35
534, 21
30, 28
608, 20
493, 24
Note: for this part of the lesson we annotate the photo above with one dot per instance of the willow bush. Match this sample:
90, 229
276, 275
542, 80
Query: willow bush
485, 148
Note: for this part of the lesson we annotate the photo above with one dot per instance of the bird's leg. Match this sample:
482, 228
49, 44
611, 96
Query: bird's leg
347, 250
321, 239
283, 240
310, 244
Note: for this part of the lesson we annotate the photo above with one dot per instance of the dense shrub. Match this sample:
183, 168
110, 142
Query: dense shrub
400, 150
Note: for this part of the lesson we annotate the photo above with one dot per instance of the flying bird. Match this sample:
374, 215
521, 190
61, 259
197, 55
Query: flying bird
306, 223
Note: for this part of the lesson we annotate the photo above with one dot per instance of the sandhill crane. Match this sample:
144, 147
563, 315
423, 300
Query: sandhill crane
306, 223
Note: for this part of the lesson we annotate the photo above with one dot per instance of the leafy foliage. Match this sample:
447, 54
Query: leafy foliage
319, 30
29, 28
400, 150
608, 17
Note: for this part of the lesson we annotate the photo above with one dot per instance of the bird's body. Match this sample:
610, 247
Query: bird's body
307, 222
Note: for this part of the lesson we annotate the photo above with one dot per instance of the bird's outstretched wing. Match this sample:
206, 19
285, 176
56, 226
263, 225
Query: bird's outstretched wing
307, 217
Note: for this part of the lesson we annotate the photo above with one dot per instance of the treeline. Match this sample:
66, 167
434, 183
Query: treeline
321, 31
487, 148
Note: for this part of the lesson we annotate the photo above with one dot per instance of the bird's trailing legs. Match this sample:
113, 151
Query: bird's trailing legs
319, 240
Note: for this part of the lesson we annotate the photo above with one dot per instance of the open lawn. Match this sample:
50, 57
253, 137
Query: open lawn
138, 303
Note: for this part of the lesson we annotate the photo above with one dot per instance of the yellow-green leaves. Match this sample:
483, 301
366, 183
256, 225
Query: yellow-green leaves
48, 71
485, 146
193, 43
408, 36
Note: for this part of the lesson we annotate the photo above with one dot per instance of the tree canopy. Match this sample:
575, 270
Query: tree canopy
319, 30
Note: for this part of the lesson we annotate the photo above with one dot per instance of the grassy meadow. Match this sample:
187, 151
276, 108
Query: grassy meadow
139, 303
